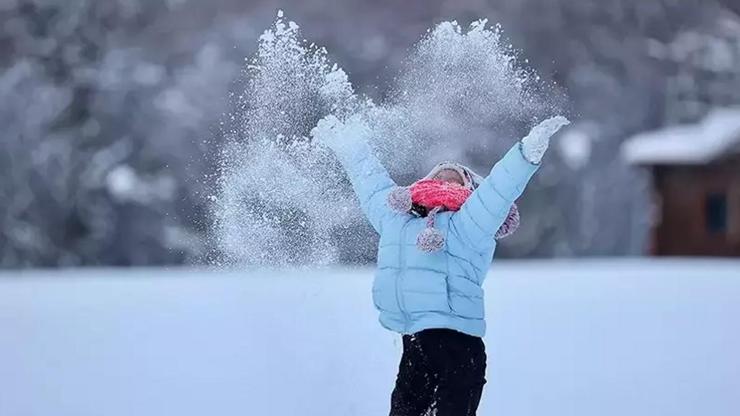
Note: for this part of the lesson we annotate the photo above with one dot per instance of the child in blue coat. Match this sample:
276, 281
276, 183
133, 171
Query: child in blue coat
437, 240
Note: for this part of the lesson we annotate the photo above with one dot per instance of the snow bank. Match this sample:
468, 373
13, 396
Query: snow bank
565, 338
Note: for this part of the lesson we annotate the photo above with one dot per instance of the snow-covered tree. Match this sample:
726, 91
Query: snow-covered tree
104, 151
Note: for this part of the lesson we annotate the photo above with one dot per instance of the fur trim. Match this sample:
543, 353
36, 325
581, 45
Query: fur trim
510, 225
399, 199
472, 180
464, 173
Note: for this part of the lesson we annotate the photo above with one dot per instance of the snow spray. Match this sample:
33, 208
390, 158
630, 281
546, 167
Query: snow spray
283, 200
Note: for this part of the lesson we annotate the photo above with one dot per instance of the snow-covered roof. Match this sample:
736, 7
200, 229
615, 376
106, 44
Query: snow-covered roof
687, 144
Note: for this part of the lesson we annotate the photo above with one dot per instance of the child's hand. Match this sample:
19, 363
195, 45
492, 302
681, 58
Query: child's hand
337, 134
538, 139
326, 130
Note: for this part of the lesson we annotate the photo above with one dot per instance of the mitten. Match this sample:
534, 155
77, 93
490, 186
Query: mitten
535, 143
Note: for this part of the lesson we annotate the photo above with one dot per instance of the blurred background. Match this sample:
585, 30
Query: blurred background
111, 110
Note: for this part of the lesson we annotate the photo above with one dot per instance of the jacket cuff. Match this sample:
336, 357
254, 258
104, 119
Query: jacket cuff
520, 145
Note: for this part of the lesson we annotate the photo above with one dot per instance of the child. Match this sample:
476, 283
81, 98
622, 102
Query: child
437, 239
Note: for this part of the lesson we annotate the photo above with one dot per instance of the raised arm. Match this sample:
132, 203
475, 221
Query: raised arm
487, 208
370, 180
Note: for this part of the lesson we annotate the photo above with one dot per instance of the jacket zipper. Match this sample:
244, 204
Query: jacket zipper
401, 270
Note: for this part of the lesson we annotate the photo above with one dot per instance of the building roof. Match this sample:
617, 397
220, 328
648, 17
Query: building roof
688, 144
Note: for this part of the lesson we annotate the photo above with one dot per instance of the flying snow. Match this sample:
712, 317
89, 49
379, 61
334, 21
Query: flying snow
285, 200
456, 87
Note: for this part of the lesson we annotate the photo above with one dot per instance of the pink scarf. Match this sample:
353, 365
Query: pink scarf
436, 196
431, 193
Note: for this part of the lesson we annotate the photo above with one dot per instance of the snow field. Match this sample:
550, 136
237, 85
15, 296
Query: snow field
636, 337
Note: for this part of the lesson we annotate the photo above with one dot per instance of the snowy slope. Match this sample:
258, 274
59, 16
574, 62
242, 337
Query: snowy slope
566, 338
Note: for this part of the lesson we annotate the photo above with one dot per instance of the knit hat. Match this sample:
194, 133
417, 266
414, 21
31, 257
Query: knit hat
428, 196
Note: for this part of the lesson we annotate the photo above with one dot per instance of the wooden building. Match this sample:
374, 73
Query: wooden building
696, 185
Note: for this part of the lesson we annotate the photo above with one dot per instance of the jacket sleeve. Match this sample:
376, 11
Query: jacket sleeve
370, 181
487, 208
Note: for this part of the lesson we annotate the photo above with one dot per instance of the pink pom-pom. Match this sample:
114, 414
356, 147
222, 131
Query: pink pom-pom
430, 240
510, 225
399, 199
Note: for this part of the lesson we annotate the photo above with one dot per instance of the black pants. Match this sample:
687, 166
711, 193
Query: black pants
441, 370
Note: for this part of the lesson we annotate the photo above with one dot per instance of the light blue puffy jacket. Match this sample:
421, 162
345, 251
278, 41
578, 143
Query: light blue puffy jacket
415, 290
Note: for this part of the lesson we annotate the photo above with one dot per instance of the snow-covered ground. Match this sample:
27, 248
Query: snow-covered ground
622, 338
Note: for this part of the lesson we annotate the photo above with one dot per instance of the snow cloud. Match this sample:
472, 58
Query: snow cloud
284, 200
